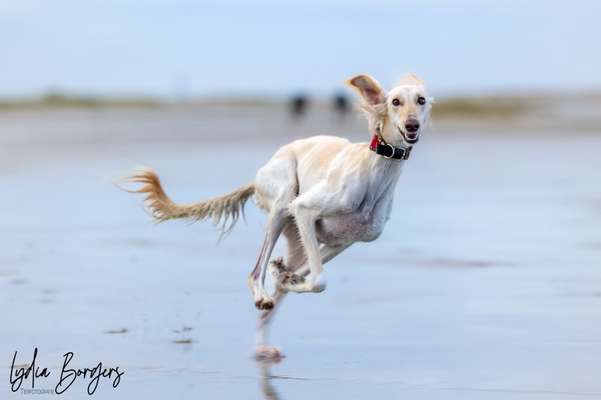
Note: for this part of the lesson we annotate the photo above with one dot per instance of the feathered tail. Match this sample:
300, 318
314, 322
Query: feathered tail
224, 210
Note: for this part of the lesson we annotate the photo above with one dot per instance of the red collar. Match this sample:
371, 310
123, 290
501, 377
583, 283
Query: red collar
384, 149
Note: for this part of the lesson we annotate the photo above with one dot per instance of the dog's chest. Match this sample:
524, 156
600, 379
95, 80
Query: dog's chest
370, 214
348, 228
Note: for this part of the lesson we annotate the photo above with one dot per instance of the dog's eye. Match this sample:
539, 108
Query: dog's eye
396, 102
421, 100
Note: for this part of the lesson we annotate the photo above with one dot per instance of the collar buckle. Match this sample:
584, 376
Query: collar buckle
406, 153
392, 151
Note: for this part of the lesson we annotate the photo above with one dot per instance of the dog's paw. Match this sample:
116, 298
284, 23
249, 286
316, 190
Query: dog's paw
290, 279
319, 284
298, 284
282, 277
277, 267
264, 303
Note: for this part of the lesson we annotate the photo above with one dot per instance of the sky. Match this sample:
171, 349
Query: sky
183, 48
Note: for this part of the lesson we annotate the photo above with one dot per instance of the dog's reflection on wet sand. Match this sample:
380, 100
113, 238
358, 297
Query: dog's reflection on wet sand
266, 378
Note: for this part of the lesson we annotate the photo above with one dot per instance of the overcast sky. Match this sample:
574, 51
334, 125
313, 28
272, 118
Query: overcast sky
197, 48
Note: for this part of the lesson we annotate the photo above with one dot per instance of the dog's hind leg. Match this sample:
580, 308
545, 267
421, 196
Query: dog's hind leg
264, 351
256, 280
287, 276
295, 258
275, 188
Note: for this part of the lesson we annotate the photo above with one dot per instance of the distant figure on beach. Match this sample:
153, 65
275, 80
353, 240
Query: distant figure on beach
298, 106
340, 104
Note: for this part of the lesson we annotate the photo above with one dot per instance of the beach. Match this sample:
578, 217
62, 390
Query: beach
484, 285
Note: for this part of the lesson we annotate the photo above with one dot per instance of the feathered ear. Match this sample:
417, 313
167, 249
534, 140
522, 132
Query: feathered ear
369, 89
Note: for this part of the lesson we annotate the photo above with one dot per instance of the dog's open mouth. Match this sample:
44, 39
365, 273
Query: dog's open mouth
410, 137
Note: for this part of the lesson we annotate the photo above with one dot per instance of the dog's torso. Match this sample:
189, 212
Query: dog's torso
365, 210
351, 186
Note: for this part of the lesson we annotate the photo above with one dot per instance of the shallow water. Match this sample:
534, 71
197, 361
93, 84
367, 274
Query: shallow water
484, 285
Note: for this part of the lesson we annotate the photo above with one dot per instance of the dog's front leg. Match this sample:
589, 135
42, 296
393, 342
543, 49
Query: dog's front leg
305, 218
291, 280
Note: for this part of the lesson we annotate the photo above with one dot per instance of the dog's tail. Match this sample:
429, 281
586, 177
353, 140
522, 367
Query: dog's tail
224, 210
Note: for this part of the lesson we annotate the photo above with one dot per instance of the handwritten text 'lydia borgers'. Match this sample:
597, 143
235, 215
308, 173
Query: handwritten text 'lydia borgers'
68, 374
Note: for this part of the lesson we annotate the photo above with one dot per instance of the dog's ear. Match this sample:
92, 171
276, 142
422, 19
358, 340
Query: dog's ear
369, 88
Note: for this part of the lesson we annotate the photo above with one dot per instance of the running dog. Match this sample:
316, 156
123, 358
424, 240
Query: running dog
322, 193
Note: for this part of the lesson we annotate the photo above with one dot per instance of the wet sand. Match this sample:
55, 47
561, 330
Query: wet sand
484, 285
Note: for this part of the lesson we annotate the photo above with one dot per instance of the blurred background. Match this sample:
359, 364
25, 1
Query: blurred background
485, 283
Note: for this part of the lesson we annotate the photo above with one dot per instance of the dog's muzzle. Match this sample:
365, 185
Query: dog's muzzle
412, 134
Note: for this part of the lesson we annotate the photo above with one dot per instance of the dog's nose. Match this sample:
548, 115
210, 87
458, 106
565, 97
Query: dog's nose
412, 125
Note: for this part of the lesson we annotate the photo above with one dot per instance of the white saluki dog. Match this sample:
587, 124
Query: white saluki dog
323, 193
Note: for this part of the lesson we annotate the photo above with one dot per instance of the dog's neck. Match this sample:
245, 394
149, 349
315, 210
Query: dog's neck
381, 179
386, 150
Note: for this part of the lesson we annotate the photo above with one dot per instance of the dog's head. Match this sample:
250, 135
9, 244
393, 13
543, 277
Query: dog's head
399, 115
